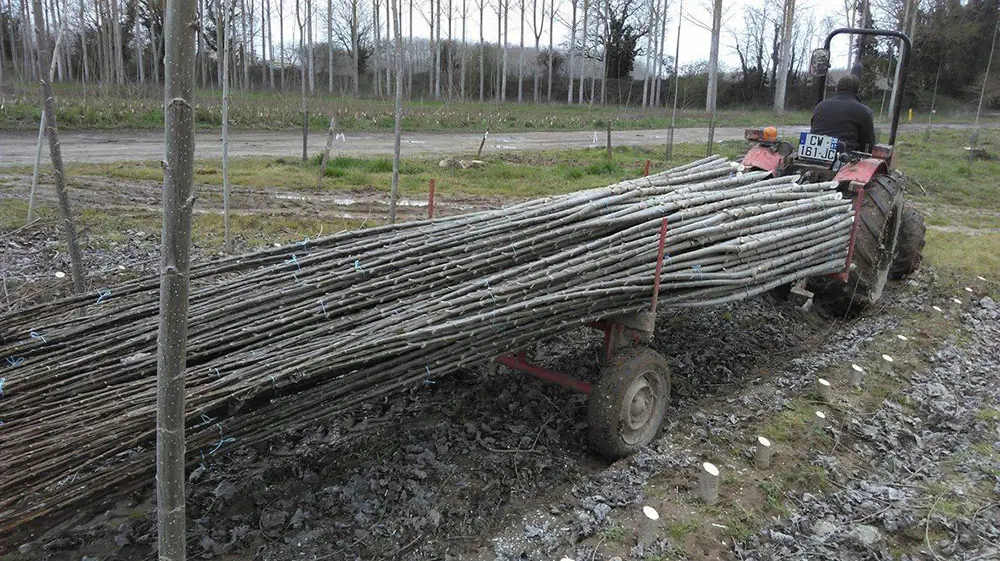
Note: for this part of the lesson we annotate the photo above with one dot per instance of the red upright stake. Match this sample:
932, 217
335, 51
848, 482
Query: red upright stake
645, 170
659, 264
430, 202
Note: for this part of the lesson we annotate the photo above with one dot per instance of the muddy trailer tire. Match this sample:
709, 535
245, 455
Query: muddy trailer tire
875, 248
629, 402
912, 233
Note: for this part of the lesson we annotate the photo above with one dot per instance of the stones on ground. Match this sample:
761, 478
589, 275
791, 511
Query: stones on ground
864, 535
272, 519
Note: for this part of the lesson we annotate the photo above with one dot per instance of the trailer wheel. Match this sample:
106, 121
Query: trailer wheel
628, 403
875, 247
911, 243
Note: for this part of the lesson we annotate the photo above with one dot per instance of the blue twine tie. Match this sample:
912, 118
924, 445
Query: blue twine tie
103, 294
217, 373
37, 336
697, 269
358, 267
322, 305
15, 361
296, 262
427, 380
219, 445
2, 380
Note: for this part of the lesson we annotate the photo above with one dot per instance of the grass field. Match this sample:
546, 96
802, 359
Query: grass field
272, 111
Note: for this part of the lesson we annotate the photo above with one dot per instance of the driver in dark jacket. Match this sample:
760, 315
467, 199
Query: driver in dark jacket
844, 117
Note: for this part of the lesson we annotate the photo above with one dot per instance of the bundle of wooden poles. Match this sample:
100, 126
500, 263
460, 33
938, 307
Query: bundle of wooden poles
283, 338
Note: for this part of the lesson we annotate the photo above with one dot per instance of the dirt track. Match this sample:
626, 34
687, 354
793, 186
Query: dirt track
18, 148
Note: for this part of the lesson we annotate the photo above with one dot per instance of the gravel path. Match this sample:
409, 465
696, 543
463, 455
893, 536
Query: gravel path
18, 147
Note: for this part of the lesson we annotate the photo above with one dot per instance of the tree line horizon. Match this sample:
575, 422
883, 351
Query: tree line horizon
615, 51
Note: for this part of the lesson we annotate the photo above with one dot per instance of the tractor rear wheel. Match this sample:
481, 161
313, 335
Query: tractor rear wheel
911, 243
875, 246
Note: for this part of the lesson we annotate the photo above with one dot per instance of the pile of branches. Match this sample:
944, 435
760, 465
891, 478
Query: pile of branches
282, 338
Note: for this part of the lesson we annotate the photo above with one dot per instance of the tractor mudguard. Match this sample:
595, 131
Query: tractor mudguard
764, 158
861, 171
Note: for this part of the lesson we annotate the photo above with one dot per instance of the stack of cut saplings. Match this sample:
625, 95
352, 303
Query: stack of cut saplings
284, 337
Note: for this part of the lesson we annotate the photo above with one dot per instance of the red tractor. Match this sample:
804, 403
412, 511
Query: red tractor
888, 235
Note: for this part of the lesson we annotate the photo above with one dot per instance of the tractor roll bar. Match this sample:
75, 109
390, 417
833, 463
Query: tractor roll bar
904, 63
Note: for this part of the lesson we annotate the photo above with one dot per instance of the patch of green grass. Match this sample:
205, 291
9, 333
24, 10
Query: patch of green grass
138, 108
614, 535
772, 494
941, 166
678, 530
968, 254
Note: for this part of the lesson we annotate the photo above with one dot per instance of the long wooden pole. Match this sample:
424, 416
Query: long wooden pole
398, 127
49, 113
175, 263
225, 133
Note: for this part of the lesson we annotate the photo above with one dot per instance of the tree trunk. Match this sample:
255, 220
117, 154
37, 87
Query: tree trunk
662, 40
506, 28
55, 150
448, 61
647, 73
178, 179
305, 110
119, 55
243, 45
311, 47
437, 51
398, 127
711, 99
227, 236
376, 80
140, 70
572, 51
552, 16
270, 46
281, 39
520, 60
461, 72
781, 81
220, 16
677, 83
482, 53
355, 79
586, 19
329, 45
409, 55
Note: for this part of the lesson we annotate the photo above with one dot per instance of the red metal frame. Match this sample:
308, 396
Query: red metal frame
764, 158
614, 334
645, 169
859, 198
861, 171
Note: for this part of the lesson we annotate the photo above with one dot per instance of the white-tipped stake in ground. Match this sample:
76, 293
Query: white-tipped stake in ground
937, 309
902, 337
649, 526
708, 483
819, 420
857, 375
60, 275
823, 389
887, 363
956, 305
968, 289
762, 457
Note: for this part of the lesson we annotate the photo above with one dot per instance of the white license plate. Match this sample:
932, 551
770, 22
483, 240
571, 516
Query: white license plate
817, 147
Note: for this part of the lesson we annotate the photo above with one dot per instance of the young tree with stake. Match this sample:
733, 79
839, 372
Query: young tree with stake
175, 262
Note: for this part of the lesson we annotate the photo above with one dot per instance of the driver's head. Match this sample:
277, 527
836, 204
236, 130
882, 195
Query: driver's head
849, 84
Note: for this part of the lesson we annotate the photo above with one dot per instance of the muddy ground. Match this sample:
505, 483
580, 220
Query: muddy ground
491, 464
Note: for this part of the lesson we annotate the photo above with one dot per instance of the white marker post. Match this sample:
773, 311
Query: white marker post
823, 389
887, 364
708, 483
857, 375
819, 420
762, 457
649, 527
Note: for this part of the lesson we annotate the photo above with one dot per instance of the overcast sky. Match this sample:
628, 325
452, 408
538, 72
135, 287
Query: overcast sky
695, 39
